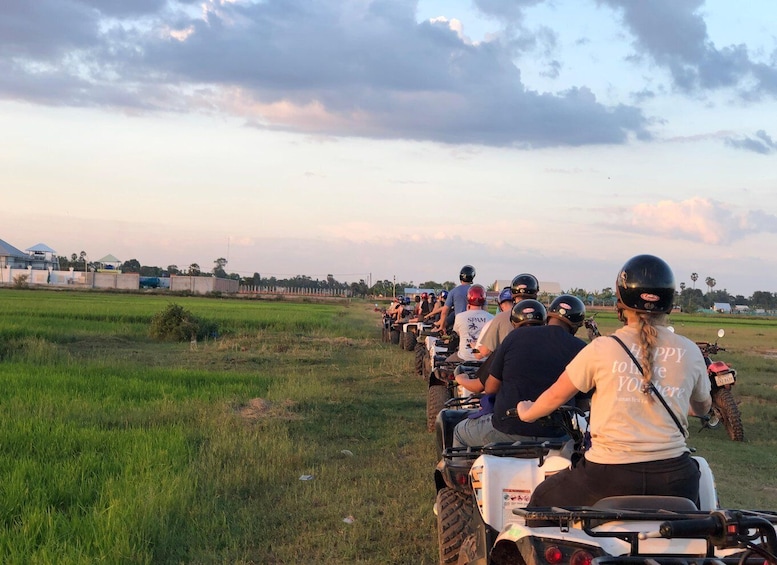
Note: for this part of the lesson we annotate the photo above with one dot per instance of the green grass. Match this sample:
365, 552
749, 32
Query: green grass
115, 448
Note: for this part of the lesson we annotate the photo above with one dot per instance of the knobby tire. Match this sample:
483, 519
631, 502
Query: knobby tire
436, 397
454, 511
728, 410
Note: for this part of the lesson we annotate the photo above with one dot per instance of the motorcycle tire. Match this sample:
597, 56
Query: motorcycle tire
724, 404
436, 397
454, 511
420, 353
402, 339
395, 337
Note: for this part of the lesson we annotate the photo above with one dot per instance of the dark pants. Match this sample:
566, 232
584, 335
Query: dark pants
589, 482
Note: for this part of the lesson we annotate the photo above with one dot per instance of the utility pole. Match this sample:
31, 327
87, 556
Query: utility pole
394, 288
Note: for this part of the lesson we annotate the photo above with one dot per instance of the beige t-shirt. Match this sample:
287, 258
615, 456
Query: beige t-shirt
627, 425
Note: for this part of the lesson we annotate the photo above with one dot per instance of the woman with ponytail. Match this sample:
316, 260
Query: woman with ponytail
645, 380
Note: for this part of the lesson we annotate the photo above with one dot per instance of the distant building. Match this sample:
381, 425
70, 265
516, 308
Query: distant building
722, 307
12, 257
43, 257
109, 263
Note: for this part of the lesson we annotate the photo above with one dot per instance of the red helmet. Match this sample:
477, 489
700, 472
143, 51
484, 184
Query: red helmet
476, 295
424, 295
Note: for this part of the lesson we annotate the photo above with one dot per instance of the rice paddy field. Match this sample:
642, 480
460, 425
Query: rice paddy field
292, 434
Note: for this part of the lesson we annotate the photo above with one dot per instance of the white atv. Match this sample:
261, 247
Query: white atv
482, 494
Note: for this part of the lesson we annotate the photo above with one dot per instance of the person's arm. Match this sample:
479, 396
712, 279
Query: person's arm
472, 385
701, 408
557, 395
482, 352
443, 315
492, 385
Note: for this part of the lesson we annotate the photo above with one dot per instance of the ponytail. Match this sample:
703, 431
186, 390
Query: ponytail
647, 338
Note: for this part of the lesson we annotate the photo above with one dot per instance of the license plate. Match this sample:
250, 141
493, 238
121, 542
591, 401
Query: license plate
727, 379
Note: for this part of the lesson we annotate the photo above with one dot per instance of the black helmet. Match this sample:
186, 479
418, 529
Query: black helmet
525, 286
528, 312
467, 274
569, 308
646, 284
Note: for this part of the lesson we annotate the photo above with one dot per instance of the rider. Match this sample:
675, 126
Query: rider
457, 298
569, 310
638, 442
522, 286
505, 304
469, 323
434, 313
525, 365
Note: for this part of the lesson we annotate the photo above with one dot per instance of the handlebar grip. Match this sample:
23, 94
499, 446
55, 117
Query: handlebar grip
512, 413
692, 528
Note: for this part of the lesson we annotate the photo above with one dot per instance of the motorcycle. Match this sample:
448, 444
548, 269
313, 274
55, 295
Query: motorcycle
722, 378
592, 327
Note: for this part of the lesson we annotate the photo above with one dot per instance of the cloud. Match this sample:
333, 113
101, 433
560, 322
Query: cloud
700, 219
326, 67
674, 35
762, 143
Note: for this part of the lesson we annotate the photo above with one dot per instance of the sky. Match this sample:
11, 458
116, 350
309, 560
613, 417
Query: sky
395, 139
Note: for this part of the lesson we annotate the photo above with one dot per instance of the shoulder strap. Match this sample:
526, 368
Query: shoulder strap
651, 386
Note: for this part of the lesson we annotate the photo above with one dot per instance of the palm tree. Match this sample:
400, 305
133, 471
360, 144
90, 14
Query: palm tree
707, 282
694, 278
682, 286
712, 282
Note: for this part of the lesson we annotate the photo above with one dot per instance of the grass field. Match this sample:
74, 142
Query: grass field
115, 448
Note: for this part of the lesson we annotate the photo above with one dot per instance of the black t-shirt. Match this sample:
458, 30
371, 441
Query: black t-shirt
528, 361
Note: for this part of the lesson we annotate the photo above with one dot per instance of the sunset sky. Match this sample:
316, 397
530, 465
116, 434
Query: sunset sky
380, 139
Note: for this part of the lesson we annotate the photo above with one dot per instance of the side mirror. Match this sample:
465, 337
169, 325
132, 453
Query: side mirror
721, 332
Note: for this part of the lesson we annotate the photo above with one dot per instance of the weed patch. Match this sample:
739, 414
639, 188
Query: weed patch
175, 323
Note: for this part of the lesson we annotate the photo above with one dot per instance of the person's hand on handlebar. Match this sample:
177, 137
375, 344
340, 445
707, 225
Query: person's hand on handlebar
523, 408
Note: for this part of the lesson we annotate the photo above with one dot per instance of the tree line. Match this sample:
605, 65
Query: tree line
690, 299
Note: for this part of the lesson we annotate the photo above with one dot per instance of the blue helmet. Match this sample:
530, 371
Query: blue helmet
505, 296
443, 294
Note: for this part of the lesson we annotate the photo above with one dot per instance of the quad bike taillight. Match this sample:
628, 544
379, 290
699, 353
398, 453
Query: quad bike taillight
581, 557
554, 555
557, 552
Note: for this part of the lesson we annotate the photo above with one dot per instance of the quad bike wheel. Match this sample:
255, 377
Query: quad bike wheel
394, 336
436, 397
454, 511
725, 407
410, 341
402, 339
420, 353
426, 371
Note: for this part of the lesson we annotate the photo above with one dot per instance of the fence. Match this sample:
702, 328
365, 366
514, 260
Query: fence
107, 280
297, 291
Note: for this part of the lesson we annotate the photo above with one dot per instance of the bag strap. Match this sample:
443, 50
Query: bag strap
651, 387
